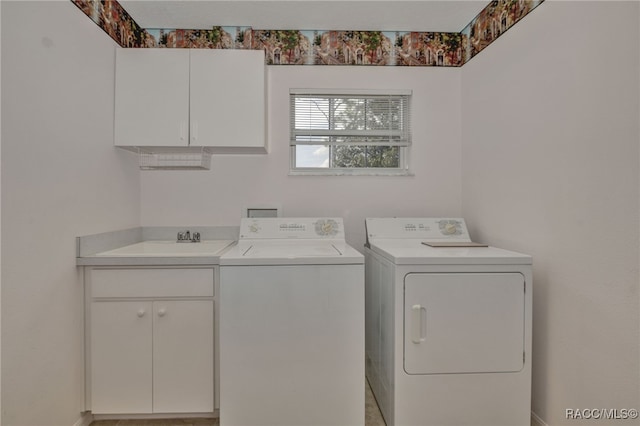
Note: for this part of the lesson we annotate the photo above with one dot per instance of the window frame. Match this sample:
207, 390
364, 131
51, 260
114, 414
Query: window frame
404, 149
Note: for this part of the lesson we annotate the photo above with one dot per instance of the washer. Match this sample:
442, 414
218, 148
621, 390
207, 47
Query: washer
292, 325
448, 328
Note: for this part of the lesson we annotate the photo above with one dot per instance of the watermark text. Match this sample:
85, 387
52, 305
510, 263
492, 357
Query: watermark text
601, 413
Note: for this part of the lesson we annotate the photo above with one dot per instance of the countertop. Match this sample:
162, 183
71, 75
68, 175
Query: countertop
154, 246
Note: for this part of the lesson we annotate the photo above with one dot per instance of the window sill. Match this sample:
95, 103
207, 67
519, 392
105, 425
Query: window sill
367, 172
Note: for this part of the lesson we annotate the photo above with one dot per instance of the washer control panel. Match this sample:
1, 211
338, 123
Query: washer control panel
428, 229
292, 228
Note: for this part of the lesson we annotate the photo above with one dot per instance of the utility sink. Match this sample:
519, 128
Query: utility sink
169, 249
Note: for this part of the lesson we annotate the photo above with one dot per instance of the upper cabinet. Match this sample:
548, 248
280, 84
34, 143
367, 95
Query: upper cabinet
228, 98
191, 98
152, 97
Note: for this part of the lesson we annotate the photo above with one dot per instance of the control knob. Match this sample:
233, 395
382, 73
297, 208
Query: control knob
449, 229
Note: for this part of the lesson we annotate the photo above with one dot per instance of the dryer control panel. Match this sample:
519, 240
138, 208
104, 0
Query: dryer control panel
428, 229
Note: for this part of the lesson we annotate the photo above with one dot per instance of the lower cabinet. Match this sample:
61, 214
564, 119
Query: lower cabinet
183, 356
150, 341
121, 357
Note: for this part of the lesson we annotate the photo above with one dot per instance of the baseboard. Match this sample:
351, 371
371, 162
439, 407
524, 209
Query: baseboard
214, 414
85, 419
537, 421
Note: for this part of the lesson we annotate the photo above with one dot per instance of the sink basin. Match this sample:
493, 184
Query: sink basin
169, 249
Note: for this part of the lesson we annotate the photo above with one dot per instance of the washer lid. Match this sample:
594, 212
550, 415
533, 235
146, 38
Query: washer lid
291, 241
291, 252
286, 249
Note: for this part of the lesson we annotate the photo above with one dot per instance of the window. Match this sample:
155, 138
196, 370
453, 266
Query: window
354, 132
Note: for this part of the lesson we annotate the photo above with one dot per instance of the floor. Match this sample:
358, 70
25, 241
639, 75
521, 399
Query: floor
372, 418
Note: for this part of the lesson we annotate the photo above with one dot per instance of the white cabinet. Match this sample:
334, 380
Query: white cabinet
121, 350
152, 97
150, 340
228, 99
191, 98
183, 356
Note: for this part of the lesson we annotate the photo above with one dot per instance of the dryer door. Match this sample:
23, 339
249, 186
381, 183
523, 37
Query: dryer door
463, 322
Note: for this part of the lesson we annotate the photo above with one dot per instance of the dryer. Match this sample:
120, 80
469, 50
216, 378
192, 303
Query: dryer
448, 325
292, 325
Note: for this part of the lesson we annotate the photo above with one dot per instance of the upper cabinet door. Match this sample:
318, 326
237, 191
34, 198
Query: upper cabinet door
152, 97
228, 99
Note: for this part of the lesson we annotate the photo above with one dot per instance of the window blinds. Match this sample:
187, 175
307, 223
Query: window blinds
350, 119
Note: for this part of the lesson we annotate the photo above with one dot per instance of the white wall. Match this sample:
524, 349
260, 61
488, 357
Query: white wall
61, 178
216, 197
0, 225
550, 167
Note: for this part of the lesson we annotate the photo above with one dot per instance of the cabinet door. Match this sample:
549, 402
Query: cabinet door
228, 98
152, 97
183, 356
121, 347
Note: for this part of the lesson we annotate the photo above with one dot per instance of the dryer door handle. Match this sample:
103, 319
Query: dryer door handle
418, 323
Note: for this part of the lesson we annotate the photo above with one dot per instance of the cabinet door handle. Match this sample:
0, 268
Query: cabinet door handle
141, 313
162, 312
183, 130
194, 131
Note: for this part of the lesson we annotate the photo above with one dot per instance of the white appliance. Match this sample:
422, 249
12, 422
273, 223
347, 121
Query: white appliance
292, 325
448, 328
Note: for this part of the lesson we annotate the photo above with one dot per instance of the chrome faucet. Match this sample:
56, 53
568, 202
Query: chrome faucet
187, 237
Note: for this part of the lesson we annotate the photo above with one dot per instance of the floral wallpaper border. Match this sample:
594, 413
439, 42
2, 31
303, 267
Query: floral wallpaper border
115, 21
493, 21
316, 47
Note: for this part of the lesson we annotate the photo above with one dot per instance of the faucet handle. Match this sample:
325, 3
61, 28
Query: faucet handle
186, 236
